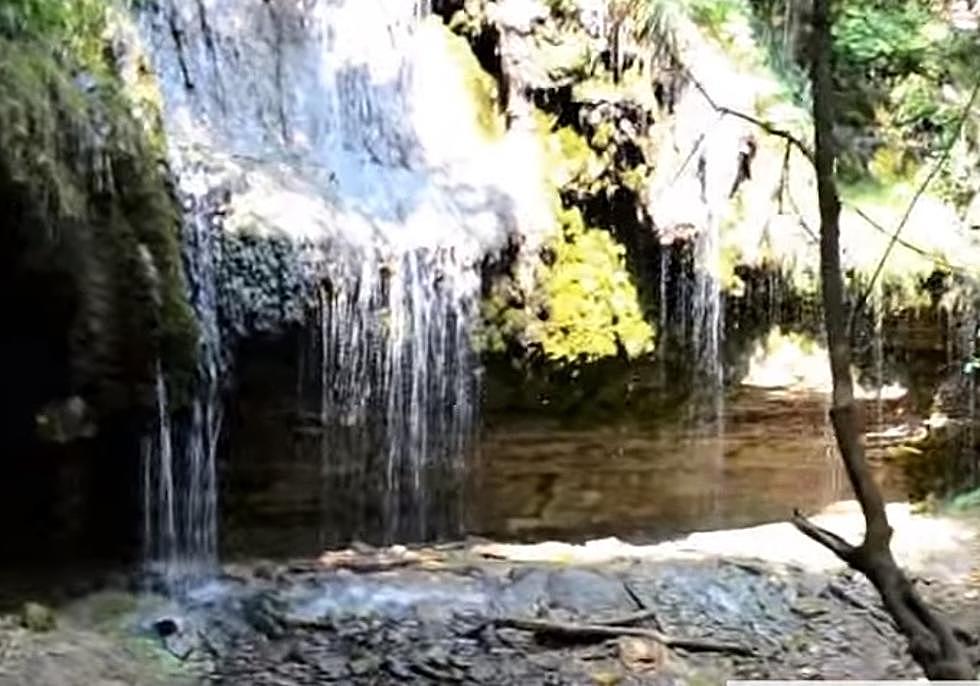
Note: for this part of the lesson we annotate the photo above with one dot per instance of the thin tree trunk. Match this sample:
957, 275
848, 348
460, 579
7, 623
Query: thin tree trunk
931, 639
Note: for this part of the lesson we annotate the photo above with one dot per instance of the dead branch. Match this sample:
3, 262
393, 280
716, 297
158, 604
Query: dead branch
629, 620
764, 125
837, 545
635, 597
572, 631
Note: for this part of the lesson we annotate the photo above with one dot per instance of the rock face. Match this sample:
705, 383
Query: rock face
93, 294
344, 171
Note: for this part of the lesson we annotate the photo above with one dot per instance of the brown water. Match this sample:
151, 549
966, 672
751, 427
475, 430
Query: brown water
651, 479
654, 480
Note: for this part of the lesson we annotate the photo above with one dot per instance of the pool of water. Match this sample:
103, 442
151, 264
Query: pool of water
772, 452
537, 478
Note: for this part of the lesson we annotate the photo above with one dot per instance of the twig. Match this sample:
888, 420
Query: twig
650, 613
784, 176
900, 241
793, 141
690, 155
764, 125
601, 631
629, 620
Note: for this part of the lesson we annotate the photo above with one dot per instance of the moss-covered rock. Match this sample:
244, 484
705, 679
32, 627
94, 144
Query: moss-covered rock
86, 199
483, 87
37, 618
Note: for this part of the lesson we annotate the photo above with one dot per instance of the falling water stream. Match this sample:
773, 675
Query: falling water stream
180, 479
398, 382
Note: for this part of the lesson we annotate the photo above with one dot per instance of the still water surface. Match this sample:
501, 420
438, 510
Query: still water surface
650, 480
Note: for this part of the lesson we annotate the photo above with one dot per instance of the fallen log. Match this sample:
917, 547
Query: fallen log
629, 620
574, 631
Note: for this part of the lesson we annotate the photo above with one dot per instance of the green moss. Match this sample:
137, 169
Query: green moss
584, 307
482, 86
569, 159
87, 200
71, 28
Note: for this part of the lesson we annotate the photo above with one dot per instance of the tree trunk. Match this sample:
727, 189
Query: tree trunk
931, 639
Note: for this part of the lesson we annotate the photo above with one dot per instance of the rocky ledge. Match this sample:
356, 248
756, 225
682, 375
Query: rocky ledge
479, 613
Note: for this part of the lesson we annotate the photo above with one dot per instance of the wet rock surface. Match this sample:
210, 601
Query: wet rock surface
444, 625
463, 615
422, 626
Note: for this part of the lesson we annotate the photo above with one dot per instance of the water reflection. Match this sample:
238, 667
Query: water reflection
651, 481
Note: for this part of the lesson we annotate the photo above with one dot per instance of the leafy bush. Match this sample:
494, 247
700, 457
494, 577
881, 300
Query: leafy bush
591, 306
885, 38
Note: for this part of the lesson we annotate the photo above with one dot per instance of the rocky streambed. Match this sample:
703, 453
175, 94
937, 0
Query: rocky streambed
481, 613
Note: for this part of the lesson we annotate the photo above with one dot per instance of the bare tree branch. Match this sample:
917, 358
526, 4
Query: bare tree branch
762, 124
827, 539
793, 141
575, 631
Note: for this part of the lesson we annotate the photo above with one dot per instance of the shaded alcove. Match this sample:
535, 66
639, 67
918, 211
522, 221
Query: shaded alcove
73, 502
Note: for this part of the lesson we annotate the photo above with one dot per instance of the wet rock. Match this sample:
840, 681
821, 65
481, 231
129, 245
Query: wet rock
399, 668
332, 667
38, 618
365, 664
181, 646
526, 594
588, 594
720, 601
264, 613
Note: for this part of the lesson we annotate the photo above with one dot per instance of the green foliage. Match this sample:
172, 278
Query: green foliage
482, 86
584, 305
84, 195
964, 502
715, 14
903, 75
885, 37
568, 156
592, 309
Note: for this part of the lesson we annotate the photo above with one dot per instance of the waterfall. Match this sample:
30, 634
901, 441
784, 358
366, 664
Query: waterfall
691, 195
335, 177
159, 511
180, 480
707, 323
399, 387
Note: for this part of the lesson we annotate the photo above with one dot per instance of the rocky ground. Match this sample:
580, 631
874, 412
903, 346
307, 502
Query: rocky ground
756, 602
